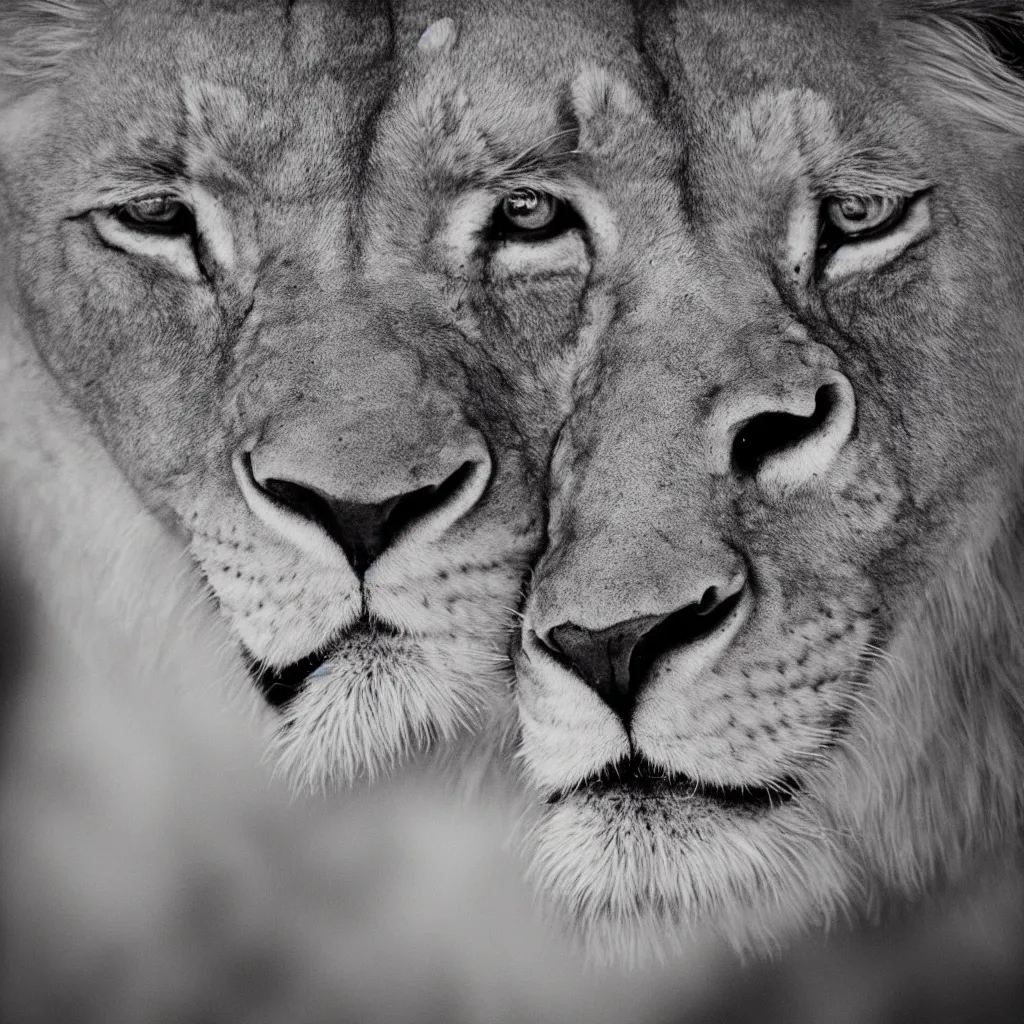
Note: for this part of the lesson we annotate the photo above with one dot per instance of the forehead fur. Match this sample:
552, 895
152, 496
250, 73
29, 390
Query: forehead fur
40, 40
158, 90
796, 132
854, 98
962, 55
503, 103
37, 37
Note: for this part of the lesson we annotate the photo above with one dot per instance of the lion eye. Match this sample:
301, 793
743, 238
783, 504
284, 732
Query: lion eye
527, 212
162, 215
858, 234
856, 216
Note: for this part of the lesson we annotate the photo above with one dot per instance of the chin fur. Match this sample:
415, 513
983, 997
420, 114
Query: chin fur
389, 697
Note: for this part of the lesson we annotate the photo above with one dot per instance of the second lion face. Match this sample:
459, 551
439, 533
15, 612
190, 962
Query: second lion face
778, 466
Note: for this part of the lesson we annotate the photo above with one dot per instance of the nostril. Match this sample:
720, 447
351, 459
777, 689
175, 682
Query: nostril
602, 657
708, 602
772, 433
689, 625
359, 528
307, 502
365, 529
417, 505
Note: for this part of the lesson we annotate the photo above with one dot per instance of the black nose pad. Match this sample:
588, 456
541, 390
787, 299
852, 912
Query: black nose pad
616, 661
364, 530
602, 656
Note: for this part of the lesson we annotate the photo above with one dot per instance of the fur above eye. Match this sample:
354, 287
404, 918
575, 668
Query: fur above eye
852, 216
528, 214
163, 215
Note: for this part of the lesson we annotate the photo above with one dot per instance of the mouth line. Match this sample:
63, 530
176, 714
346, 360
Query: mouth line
280, 685
638, 777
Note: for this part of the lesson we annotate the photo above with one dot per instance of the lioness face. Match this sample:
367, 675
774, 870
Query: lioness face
309, 314
801, 433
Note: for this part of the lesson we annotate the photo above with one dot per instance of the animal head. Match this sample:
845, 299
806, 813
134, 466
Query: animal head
312, 274
770, 665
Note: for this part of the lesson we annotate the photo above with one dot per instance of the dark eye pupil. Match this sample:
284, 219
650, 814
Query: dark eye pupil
527, 214
163, 215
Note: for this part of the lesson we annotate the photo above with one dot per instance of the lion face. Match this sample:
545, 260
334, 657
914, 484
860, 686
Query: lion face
322, 322
745, 691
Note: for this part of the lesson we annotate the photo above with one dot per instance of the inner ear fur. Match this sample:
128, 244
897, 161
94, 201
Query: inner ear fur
971, 53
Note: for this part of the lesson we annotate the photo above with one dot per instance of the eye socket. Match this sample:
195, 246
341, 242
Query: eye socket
528, 214
853, 217
157, 215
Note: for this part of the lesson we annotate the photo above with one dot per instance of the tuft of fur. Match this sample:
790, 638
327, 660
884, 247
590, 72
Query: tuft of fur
970, 52
383, 706
37, 37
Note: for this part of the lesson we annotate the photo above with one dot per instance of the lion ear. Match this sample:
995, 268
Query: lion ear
972, 54
37, 36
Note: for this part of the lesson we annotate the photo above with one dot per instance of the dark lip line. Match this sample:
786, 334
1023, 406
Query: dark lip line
636, 775
280, 685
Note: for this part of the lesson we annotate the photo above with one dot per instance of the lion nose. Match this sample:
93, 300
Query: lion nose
356, 503
616, 661
364, 530
792, 440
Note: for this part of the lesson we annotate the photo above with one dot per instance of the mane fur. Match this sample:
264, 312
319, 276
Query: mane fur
947, 757
942, 747
65, 506
969, 52
38, 36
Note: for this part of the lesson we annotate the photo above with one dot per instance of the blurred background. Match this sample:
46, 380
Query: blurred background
153, 871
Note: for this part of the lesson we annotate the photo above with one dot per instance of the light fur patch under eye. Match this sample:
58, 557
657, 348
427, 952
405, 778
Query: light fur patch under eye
561, 253
438, 36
